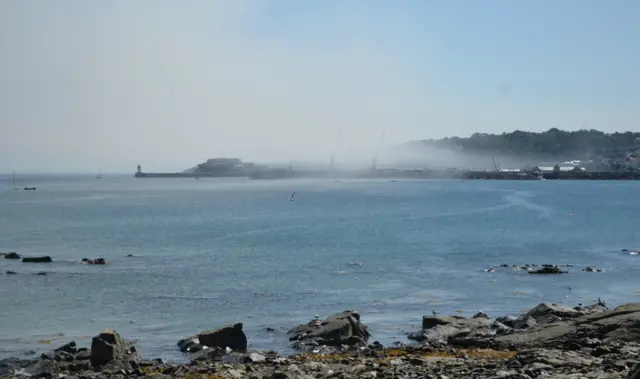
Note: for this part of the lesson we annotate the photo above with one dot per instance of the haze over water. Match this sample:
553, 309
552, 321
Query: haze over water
211, 252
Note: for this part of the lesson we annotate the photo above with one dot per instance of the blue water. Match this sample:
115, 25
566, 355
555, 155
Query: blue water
211, 252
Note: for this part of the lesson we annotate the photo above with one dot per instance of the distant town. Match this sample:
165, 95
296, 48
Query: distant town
557, 154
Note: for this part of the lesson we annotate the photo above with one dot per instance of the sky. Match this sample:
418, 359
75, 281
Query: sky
106, 85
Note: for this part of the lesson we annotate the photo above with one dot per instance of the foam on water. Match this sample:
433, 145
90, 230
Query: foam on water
211, 252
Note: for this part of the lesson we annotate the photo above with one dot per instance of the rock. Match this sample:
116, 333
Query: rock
40, 273
548, 270
68, 347
590, 269
524, 322
42, 368
229, 336
63, 356
11, 255
429, 322
339, 329
97, 261
108, 346
190, 345
545, 312
9, 272
449, 329
634, 373
255, 357
45, 259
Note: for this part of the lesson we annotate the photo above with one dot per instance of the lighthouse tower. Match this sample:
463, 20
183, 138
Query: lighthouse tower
139, 172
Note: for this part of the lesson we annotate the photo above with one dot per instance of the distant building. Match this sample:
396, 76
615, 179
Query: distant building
556, 168
542, 169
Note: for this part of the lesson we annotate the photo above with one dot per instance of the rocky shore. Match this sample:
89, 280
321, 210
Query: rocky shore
548, 341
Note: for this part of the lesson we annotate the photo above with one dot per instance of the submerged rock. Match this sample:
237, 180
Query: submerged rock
45, 259
548, 269
11, 255
97, 261
336, 330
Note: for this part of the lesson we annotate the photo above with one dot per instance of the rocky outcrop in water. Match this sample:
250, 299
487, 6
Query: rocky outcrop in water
548, 269
97, 261
11, 255
231, 337
44, 259
336, 330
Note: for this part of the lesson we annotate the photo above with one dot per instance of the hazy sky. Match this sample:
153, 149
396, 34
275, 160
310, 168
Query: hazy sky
105, 85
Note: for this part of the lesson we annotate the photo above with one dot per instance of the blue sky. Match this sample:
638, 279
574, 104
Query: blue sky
108, 85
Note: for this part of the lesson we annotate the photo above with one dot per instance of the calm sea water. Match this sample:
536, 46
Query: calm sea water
211, 252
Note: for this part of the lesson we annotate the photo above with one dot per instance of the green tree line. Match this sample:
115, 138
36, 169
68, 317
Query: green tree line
553, 143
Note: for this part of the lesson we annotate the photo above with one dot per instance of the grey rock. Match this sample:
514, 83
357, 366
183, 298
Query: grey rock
230, 336
190, 345
548, 269
336, 330
68, 347
634, 373
106, 347
452, 330
45, 259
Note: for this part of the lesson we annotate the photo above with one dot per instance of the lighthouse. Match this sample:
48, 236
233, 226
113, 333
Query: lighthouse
139, 172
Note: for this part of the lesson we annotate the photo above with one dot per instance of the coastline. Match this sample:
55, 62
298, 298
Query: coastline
548, 340
397, 174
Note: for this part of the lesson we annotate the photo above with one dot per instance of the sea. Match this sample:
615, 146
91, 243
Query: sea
189, 255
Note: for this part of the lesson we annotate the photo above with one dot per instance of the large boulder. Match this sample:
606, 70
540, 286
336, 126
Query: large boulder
108, 346
45, 259
231, 336
12, 255
549, 312
336, 330
451, 329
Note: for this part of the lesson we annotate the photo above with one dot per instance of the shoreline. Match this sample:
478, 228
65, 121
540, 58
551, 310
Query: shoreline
591, 341
399, 174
